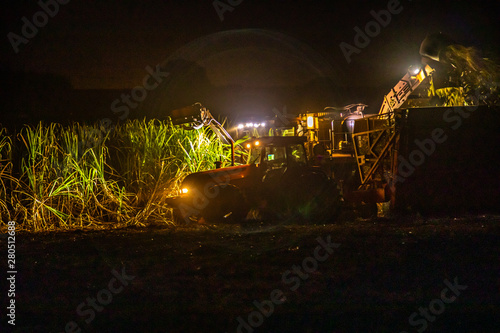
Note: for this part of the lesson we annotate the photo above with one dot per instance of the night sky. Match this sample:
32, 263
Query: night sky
260, 48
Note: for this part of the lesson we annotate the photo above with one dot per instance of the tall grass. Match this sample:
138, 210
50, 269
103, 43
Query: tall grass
153, 157
6, 179
62, 185
81, 176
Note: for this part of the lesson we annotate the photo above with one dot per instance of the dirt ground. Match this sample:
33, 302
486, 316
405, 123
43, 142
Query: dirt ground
376, 275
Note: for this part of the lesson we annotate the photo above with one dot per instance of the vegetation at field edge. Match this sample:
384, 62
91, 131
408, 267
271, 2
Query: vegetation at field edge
56, 177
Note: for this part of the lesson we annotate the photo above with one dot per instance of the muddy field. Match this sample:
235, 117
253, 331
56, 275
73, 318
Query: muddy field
378, 275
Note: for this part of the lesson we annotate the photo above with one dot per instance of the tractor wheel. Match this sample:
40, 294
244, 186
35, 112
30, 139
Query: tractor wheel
181, 220
326, 206
228, 206
314, 199
367, 211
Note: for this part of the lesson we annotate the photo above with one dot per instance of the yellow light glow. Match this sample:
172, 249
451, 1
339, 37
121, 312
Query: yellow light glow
421, 76
257, 143
248, 146
184, 190
310, 122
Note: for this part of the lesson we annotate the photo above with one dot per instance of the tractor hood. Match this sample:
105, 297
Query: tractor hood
219, 176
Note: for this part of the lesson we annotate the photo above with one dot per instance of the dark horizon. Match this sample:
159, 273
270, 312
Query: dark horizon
250, 59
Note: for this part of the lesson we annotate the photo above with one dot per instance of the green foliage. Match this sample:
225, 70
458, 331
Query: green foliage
476, 79
83, 176
6, 178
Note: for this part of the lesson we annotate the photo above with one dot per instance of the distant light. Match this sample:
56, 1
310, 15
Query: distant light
251, 125
184, 190
248, 146
257, 143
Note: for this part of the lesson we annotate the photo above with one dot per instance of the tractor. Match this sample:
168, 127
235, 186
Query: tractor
277, 182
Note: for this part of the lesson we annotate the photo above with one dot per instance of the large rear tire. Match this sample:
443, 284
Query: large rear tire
228, 206
313, 199
325, 207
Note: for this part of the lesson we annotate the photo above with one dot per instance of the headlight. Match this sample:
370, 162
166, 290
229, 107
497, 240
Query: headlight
414, 70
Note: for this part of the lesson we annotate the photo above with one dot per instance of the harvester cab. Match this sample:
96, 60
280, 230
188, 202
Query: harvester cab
275, 152
279, 160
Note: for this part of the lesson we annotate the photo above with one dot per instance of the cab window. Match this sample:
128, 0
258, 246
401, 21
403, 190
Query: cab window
255, 156
275, 156
297, 155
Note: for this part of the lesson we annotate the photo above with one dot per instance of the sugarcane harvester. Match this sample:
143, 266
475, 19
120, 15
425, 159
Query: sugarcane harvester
374, 139
413, 157
405, 155
355, 148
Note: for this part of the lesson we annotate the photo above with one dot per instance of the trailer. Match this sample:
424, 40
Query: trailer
446, 161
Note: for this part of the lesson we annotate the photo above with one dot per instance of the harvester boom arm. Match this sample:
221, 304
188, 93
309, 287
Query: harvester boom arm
399, 94
197, 116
